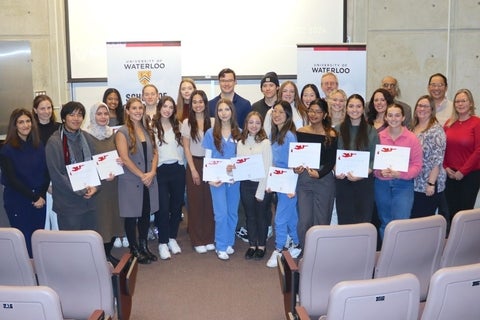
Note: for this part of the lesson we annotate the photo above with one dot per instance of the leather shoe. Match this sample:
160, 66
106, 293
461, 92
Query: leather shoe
259, 254
250, 253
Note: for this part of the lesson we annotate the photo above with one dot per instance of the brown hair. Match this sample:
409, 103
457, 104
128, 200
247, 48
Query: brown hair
12, 133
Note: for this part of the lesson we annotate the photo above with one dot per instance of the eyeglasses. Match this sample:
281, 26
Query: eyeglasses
436, 85
389, 85
314, 111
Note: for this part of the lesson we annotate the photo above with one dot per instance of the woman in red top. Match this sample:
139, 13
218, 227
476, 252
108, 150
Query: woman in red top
462, 156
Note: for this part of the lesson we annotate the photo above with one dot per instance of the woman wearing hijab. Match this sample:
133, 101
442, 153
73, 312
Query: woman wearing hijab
109, 223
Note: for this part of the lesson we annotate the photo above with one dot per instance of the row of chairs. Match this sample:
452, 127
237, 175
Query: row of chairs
74, 266
453, 294
348, 252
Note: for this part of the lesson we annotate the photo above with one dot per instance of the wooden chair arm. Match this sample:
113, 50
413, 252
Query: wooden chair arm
301, 313
124, 278
288, 273
98, 315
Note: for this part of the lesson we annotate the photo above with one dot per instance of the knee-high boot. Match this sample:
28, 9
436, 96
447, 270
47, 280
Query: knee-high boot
136, 252
146, 251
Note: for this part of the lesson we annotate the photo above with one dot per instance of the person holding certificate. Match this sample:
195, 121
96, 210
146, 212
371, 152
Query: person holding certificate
137, 187
430, 183
76, 210
393, 188
24, 175
462, 156
220, 142
252, 192
109, 223
316, 187
286, 217
354, 195
200, 211
170, 177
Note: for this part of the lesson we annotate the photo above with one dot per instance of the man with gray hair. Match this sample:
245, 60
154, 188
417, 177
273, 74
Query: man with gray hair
390, 84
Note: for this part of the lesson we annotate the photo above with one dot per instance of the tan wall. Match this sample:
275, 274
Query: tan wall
42, 23
408, 39
412, 40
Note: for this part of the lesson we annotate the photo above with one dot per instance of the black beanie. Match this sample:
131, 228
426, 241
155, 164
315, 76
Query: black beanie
270, 77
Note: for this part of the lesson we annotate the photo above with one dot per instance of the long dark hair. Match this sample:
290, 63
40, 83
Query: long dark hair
157, 121
192, 120
12, 133
330, 133
361, 139
217, 127
119, 111
279, 135
372, 112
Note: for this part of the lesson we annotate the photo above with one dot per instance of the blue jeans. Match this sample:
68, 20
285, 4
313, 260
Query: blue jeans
225, 199
394, 199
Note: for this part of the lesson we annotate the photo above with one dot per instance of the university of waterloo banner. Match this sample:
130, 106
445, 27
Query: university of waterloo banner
132, 65
347, 61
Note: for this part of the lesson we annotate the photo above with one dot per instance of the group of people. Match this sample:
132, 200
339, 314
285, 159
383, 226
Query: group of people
162, 144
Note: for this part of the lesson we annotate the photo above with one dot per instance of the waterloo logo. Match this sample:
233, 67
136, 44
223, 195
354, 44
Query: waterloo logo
144, 77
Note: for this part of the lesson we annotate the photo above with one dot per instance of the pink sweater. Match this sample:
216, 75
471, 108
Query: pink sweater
406, 139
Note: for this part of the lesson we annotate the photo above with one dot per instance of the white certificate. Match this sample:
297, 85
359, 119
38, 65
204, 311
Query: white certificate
282, 180
353, 162
82, 175
106, 164
393, 157
304, 154
248, 167
216, 170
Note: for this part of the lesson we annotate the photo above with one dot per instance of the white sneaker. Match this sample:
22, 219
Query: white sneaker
117, 243
270, 232
210, 247
230, 250
163, 251
125, 242
272, 262
294, 251
200, 249
222, 255
289, 242
174, 247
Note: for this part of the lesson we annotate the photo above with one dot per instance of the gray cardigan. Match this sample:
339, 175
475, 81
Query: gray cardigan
130, 186
65, 200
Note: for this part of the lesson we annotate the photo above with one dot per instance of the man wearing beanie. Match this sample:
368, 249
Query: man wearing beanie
227, 80
269, 87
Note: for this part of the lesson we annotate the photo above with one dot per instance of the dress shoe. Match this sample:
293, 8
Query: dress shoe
250, 253
141, 258
259, 254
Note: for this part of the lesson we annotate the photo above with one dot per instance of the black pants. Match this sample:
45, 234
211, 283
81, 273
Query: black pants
462, 194
355, 200
255, 213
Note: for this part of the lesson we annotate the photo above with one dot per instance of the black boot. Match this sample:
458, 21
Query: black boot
146, 251
141, 258
108, 252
